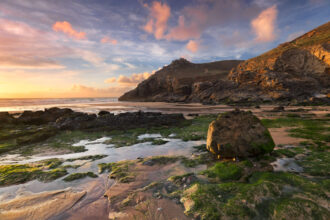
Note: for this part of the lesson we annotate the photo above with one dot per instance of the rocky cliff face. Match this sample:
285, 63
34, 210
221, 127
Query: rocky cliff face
296, 71
181, 81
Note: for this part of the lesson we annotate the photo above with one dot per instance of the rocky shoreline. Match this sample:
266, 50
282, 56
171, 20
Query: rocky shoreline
67, 119
118, 177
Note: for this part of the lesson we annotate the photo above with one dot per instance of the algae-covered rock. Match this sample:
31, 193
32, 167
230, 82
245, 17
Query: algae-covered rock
238, 134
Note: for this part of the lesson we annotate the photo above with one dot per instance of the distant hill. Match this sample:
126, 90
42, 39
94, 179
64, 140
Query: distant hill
180, 80
295, 72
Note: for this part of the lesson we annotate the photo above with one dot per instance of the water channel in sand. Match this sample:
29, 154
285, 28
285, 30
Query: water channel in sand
94, 187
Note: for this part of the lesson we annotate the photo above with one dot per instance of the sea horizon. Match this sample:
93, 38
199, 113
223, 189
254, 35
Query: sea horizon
34, 104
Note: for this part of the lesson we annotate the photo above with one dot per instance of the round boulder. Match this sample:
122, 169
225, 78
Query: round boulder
238, 134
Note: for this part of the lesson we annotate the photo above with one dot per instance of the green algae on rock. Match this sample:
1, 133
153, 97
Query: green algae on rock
91, 157
75, 176
118, 171
224, 171
43, 171
238, 134
261, 197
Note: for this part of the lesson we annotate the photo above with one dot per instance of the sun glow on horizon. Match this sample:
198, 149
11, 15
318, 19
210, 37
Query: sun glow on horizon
61, 49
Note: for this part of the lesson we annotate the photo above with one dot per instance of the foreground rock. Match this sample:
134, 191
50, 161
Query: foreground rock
294, 72
43, 117
78, 120
34, 127
40, 206
66, 119
238, 134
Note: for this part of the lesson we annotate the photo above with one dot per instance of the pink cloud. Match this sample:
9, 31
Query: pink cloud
195, 19
149, 27
134, 79
111, 80
108, 40
192, 46
157, 23
67, 29
131, 80
184, 31
88, 91
264, 25
23, 46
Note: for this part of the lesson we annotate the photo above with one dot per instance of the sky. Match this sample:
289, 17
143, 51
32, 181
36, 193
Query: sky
103, 48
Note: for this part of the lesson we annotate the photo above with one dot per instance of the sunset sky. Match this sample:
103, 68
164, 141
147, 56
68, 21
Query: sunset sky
102, 48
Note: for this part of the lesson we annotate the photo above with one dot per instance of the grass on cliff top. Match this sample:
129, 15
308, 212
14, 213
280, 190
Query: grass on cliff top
317, 37
44, 171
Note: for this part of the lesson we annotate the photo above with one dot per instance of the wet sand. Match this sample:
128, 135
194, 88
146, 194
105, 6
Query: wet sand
281, 136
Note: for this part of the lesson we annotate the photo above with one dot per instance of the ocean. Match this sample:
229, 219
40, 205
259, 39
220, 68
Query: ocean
94, 105
34, 104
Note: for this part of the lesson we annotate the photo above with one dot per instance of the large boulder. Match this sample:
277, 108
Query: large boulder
238, 134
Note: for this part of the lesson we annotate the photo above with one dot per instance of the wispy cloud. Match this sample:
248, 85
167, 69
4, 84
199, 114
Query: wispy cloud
79, 90
158, 18
23, 46
131, 80
192, 46
108, 40
264, 25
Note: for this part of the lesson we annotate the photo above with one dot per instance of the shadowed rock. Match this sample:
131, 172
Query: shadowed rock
5, 117
79, 120
43, 117
238, 134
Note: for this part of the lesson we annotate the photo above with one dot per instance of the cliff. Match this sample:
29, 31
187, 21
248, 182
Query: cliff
181, 81
296, 71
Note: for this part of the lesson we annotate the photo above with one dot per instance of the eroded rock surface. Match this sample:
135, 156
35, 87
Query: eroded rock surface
39, 206
181, 81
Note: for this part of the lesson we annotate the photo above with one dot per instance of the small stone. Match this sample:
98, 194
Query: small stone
148, 163
159, 209
176, 201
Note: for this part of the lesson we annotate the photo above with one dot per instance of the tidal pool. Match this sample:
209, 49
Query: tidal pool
174, 147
